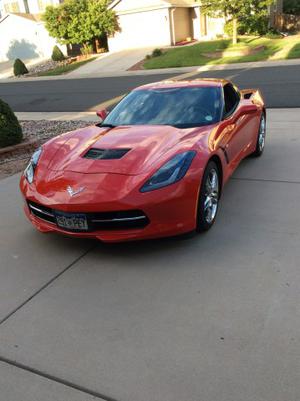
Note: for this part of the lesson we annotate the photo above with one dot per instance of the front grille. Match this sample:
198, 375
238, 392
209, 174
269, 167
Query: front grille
105, 154
121, 220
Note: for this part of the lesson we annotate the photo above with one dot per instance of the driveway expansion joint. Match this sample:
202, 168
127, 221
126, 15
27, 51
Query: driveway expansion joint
47, 284
56, 379
265, 180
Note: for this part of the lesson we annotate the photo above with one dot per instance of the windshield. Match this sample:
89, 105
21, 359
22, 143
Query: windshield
180, 107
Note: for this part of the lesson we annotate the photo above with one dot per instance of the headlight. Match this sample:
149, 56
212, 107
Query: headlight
171, 172
30, 169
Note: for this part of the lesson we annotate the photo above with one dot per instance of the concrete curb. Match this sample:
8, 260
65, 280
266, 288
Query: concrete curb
21, 147
58, 116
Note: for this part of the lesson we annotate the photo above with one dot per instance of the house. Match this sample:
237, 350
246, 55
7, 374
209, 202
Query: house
24, 36
26, 6
158, 23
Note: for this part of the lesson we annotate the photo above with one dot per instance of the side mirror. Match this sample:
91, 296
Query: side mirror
102, 114
249, 109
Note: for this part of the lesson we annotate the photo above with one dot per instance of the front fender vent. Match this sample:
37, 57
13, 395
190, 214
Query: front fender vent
105, 154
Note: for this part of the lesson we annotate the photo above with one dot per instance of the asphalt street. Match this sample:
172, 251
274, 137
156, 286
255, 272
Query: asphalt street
279, 85
213, 317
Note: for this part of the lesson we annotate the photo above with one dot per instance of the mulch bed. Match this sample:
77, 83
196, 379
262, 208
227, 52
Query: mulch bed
15, 158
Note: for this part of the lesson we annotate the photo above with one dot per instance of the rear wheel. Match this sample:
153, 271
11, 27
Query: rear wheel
209, 196
261, 138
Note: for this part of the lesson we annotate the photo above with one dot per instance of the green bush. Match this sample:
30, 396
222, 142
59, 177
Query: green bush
10, 129
86, 50
57, 54
273, 34
19, 68
157, 53
254, 24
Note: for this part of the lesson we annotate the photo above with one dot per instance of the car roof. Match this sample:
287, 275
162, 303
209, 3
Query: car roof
199, 82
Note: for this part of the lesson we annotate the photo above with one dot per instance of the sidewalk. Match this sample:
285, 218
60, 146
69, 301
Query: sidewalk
59, 116
178, 70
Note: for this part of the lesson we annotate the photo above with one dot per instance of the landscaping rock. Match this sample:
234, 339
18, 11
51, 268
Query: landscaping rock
35, 133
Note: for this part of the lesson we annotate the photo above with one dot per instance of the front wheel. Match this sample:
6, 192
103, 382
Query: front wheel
209, 197
261, 138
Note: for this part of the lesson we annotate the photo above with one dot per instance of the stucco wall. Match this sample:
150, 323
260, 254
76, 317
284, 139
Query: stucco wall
215, 26
142, 29
33, 5
25, 39
182, 23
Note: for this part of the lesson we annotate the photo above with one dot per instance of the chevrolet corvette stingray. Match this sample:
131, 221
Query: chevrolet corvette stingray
154, 166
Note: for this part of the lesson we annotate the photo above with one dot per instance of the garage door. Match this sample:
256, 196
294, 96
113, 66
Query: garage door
142, 29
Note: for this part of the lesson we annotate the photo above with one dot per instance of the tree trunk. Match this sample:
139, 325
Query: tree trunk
234, 31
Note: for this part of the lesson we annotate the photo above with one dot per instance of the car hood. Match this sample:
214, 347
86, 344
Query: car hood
144, 144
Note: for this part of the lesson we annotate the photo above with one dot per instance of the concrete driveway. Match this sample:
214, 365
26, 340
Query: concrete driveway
116, 62
209, 318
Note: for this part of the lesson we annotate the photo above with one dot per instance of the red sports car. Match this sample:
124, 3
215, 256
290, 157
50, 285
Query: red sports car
155, 166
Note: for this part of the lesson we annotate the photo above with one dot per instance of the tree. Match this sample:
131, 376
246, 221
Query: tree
80, 21
236, 10
291, 7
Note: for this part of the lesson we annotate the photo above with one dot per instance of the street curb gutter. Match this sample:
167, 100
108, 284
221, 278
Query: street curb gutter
161, 71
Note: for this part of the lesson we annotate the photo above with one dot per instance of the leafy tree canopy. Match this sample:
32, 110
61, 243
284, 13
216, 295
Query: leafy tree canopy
291, 7
80, 21
237, 10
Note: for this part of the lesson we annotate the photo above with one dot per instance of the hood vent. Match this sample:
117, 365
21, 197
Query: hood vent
105, 154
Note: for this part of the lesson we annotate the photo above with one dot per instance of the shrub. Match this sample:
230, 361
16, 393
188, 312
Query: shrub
254, 24
157, 53
19, 68
10, 129
148, 57
86, 50
57, 54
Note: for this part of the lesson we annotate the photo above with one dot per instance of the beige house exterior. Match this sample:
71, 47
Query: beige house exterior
26, 6
25, 36
146, 23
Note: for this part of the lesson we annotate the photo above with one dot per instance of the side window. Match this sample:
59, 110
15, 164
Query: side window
231, 99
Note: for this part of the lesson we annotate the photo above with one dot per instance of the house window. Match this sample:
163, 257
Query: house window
13, 7
41, 5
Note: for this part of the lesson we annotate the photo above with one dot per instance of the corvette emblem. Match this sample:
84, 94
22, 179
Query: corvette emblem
72, 192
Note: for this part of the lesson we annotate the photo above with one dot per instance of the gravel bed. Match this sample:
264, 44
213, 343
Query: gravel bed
43, 130
43, 66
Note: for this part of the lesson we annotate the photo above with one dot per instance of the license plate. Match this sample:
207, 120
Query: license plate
73, 222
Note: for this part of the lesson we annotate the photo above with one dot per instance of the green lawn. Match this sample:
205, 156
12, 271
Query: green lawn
194, 55
66, 68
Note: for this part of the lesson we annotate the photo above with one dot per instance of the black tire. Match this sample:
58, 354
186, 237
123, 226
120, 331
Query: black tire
203, 222
260, 143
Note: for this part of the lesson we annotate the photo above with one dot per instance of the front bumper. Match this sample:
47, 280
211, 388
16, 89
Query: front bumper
170, 211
